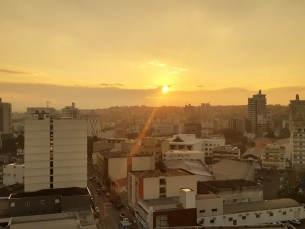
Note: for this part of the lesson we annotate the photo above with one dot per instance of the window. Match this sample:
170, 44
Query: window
51, 156
13, 204
51, 126
27, 203
214, 210
230, 219
51, 186
258, 215
57, 201
51, 142
51, 149
284, 213
161, 221
271, 213
212, 221
243, 217
42, 202
51, 164
51, 134
51, 178
202, 211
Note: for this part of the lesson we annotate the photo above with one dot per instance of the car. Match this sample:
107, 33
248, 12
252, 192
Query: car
122, 215
98, 191
96, 209
125, 219
103, 189
107, 194
295, 221
91, 178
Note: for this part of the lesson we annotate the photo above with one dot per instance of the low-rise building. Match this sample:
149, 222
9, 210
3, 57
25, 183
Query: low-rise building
13, 173
173, 155
185, 142
225, 152
233, 169
233, 191
211, 143
253, 154
152, 184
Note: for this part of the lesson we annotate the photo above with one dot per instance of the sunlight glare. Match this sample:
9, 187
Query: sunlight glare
165, 89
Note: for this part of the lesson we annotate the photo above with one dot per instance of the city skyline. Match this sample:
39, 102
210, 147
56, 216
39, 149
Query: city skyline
194, 48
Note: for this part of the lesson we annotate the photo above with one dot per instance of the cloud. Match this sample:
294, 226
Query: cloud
200, 86
12, 71
173, 72
119, 84
157, 63
106, 84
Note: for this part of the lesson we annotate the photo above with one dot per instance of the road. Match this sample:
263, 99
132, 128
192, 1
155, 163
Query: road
109, 215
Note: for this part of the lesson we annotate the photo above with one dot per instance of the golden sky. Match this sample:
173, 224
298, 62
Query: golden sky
193, 45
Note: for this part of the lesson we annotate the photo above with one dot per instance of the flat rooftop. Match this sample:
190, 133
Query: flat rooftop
159, 173
175, 200
74, 191
109, 154
260, 206
229, 184
207, 196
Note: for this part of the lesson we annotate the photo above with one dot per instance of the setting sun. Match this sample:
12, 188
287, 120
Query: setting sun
165, 89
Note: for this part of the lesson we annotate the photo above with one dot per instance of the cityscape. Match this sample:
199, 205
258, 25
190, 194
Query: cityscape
158, 114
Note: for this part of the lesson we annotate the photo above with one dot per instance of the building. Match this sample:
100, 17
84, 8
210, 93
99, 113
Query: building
155, 147
298, 144
117, 144
55, 151
237, 124
253, 154
173, 155
257, 112
70, 112
66, 220
93, 123
5, 117
233, 191
210, 143
225, 152
153, 184
274, 157
233, 169
112, 164
296, 110
193, 128
168, 212
189, 111
167, 129
13, 173
185, 142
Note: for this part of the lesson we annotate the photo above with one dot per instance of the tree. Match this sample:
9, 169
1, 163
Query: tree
270, 134
285, 133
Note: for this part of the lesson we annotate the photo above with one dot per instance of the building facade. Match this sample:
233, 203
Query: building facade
13, 173
93, 124
298, 144
70, 112
225, 152
296, 109
5, 117
55, 152
257, 112
155, 147
274, 157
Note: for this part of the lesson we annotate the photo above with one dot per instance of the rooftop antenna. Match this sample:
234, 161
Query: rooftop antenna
48, 102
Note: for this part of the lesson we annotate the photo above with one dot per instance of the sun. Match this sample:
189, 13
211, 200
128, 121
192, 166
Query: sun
165, 89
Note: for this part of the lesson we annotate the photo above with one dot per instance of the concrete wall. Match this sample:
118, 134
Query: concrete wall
143, 163
207, 205
175, 183
12, 174
151, 188
117, 168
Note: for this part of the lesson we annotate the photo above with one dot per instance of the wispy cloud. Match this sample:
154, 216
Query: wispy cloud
12, 71
157, 63
111, 85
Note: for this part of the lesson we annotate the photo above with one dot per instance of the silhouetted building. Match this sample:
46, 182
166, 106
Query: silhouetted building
257, 112
193, 128
5, 117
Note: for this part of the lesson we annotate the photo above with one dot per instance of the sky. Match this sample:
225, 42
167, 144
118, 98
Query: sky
102, 53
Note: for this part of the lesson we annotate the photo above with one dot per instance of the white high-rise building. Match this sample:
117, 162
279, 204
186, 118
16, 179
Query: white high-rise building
93, 124
5, 117
296, 109
297, 137
257, 112
55, 151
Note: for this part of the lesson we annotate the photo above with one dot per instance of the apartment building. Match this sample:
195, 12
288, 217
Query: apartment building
225, 152
298, 144
13, 173
173, 155
274, 157
70, 112
257, 112
185, 142
93, 123
55, 151
296, 110
5, 117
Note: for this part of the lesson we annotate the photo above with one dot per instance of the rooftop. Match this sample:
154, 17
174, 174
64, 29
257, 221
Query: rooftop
255, 151
115, 154
194, 167
227, 169
161, 202
225, 184
260, 205
207, 196
74, 191
159, 173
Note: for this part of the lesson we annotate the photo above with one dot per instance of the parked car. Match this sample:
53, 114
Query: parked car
96, 209
107, 194
122, 215
91, 178
103, 189
126, 219
295, 221
98, 191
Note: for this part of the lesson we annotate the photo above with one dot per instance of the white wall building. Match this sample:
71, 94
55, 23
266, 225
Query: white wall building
154, 184
13, 173
185, 141
93, 124
173, 155
274, 157
209, 144
55, 152
298, 144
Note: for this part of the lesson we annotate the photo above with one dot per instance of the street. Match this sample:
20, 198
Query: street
109, 215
